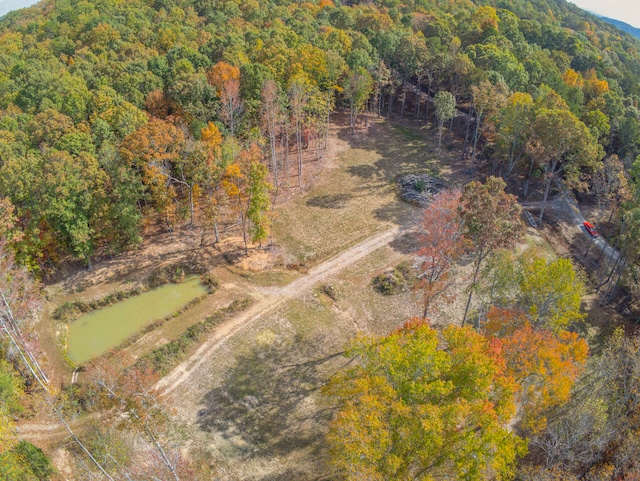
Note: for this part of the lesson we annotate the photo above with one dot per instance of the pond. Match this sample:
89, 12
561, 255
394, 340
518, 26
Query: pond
96, 332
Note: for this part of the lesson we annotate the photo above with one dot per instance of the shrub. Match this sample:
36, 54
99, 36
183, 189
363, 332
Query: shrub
210, 281
35, 459
165, 275
400, 279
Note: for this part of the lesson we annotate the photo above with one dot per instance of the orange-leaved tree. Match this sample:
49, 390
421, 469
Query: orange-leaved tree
170, 159
225, 79
441, 243
544, 363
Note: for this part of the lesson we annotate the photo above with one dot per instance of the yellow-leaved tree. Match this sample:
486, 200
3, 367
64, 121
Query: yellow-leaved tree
424, 405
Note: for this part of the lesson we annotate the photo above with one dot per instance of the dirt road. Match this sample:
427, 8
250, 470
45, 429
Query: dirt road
567, 204
271, 299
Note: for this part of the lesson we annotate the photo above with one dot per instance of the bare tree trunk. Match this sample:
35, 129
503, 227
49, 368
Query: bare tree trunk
611, 291
326, 132
244, 232
607, 276
366, 113
466, 138
547, 187
426, 109
473, 284
191, 206
418, 98
274, 157
440, 127
404, 99
476, 135
453, 117
351, 123
299, 145
513, 162
285, 145
525, 190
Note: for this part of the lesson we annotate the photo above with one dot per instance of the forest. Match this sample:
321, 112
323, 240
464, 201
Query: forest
122, 122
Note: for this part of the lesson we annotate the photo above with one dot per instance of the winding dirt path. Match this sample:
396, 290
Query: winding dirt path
272, 298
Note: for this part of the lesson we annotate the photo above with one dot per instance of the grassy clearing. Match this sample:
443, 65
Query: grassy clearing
357, 199
262, 409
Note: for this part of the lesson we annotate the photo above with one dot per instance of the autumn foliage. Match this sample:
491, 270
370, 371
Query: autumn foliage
441, 243
424, 405
545, 364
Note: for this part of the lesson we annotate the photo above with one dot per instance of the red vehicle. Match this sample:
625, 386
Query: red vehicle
590, 228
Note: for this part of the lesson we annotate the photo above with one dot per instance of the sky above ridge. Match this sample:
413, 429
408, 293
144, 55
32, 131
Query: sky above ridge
7, 5
627, 11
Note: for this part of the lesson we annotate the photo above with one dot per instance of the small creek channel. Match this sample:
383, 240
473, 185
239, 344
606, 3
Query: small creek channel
97, 332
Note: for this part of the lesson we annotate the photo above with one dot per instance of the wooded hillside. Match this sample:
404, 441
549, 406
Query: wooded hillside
121, 118
114, 110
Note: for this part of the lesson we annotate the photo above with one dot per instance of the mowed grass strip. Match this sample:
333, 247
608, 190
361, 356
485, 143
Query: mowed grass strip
164, 358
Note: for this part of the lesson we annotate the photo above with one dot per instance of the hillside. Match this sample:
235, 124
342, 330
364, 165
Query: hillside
262, 145
98, 70
625, 27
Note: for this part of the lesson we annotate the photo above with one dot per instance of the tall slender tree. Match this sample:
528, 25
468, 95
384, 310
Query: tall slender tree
441, 244
492, 219
445, 105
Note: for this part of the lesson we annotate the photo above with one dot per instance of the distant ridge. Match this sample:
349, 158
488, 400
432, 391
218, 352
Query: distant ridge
7, 6
625, 27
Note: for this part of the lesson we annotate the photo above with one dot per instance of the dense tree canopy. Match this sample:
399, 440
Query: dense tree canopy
419, 407
80, 80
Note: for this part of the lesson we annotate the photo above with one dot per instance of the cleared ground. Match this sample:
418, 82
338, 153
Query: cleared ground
250, 395
253, 397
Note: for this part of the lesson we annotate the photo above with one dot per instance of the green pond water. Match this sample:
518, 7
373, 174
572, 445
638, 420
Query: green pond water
98, 331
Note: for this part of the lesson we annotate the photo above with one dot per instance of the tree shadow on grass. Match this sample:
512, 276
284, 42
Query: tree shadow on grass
363, 171
406, 243
405, 147
399, 148
330, 201
264, 400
